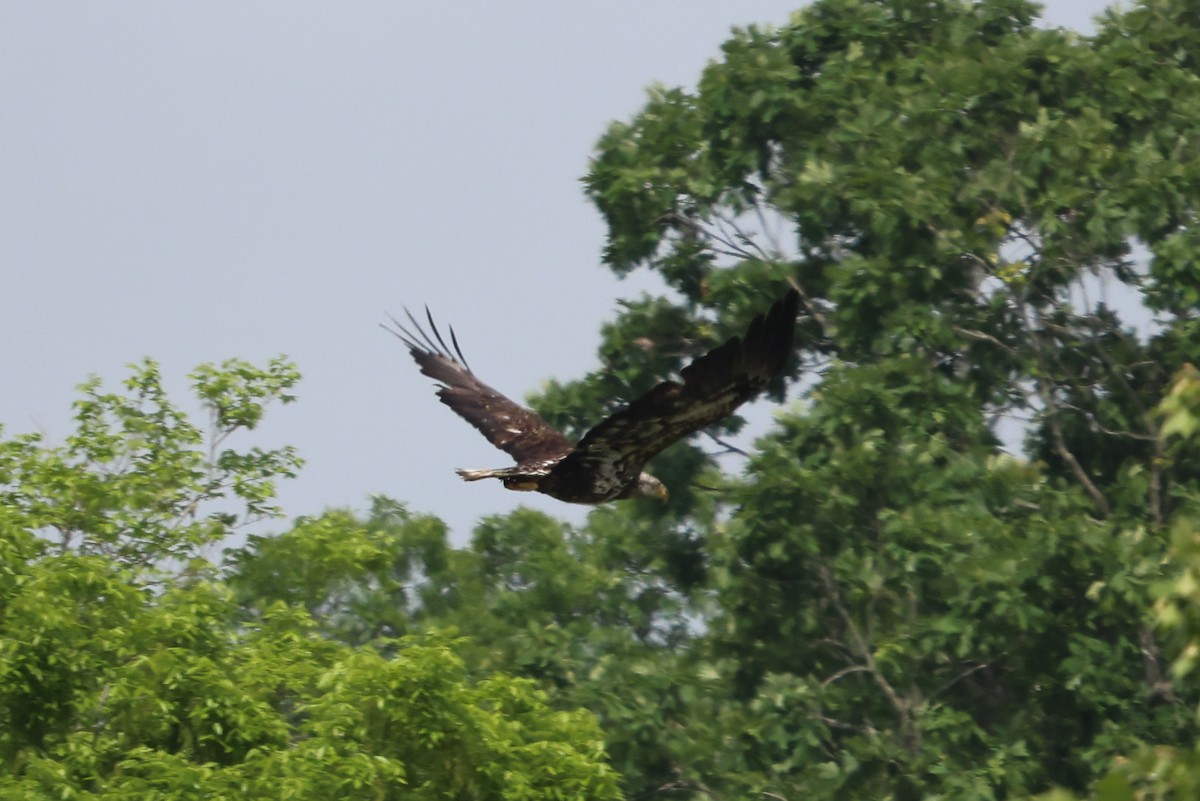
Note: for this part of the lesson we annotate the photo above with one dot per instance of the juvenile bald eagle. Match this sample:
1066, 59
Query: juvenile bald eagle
607, 463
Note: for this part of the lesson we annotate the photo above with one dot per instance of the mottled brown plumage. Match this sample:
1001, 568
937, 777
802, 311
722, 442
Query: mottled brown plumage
607, 463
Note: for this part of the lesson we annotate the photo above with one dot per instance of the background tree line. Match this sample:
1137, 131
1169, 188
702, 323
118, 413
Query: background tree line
963, 564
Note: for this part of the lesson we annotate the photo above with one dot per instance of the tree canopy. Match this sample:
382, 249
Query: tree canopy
131, 667
961, 563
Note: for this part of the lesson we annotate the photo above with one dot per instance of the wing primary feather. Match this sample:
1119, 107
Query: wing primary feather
429, 343
713, 386
400, 332
509, 426
438, 334
411, 340
458, 351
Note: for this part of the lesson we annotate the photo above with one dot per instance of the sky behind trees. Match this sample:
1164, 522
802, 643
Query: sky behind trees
200, 183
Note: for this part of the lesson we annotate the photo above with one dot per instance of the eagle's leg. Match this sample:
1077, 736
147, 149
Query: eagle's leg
514, 478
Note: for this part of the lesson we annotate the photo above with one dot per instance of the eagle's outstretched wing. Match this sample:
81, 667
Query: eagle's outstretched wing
518, 431
713, 386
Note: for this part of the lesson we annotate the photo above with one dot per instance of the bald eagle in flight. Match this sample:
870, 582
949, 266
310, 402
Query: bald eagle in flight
607, 463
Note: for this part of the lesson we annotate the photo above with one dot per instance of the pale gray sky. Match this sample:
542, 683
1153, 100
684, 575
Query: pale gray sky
196, 182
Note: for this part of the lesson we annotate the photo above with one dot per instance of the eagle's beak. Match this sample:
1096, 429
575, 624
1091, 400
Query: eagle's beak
662, 493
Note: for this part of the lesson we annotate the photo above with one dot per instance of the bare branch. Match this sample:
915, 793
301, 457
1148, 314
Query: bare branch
846, 671
1157, 682
1058, 439
809, 306
982, 336
904, 710
728, 447
858, 728
960, 677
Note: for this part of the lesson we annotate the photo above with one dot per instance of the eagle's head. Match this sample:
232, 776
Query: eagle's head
648, 486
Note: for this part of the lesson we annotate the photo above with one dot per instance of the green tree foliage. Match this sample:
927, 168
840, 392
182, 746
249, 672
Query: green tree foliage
991, 225
129, 669
1161, 772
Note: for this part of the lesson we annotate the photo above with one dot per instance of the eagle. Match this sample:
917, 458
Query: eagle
606, 464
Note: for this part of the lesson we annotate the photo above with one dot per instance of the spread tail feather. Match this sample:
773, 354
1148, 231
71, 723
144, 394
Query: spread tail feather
476, 475
514, 478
